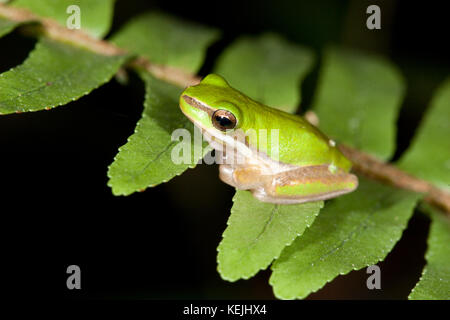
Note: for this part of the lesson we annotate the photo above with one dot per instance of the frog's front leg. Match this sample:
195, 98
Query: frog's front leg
306, 184
244, 177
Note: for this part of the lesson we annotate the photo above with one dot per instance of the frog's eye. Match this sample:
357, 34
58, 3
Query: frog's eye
223, 120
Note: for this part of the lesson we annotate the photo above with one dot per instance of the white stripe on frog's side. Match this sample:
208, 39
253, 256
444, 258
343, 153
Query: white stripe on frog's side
246, 155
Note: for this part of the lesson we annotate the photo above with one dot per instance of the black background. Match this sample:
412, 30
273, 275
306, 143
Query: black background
57, 210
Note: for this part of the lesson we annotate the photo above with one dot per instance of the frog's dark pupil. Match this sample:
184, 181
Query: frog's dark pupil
224, 122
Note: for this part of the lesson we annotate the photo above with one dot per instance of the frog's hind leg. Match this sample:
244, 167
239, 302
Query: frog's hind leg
306, 184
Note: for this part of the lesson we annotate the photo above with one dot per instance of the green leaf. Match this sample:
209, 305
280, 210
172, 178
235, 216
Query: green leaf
267, 68
257, 232
358, 99
352, 232
6, 26
145, 160
435, 281
166, 40
95, 15
428, 157
54, 74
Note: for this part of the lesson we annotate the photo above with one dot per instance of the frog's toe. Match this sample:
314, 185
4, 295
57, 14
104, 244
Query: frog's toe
262, 195
226, 174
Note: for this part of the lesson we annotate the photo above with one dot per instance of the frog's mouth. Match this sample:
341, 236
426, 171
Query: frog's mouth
234, 140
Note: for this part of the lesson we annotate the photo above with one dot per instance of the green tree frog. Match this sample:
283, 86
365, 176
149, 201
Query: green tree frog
283, 158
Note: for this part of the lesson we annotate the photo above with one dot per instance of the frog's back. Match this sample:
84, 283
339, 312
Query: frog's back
299, 142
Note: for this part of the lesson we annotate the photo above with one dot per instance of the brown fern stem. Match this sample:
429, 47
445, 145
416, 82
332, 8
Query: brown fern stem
375, 169
52, 29
363, 163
